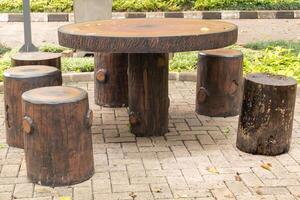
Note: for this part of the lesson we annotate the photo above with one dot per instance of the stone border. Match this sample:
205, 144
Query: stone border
69, 17
89, 76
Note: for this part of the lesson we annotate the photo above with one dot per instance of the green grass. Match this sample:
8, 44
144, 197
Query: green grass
273, 57
52, 48
277, 57
292, 45
78, 64
4, 49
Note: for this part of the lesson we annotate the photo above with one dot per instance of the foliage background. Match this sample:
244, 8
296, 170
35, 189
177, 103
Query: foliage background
156, 5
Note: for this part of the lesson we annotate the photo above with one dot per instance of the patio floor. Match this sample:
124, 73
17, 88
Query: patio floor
197, 159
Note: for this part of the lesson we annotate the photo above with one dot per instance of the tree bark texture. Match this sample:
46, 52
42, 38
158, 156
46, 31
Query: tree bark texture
148, 94
266, 121
37, 58
111, 79
14, 87
219, 83
58, 141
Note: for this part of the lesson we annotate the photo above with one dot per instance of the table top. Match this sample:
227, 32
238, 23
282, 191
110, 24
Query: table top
148, 35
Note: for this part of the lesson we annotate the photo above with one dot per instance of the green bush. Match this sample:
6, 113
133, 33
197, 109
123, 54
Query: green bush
246, 4
37, 5
155, 5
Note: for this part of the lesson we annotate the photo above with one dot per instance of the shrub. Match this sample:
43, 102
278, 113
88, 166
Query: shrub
155, 5
37, 5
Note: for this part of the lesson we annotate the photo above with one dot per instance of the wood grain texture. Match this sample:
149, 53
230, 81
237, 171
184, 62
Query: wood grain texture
148, 94
148, 35
219, 83
111, 80
59, 149
17, 81
266, 121
36, 58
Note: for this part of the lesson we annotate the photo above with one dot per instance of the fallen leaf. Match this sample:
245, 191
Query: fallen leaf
132, 195
238, 178
267, 166
2, 146
157, 190
259, 192
213, 170
65, 198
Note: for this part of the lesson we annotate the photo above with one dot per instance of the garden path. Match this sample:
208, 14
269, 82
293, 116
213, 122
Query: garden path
196, 160
11, 33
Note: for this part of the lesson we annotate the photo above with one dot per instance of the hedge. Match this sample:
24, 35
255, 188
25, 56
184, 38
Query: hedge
157, 5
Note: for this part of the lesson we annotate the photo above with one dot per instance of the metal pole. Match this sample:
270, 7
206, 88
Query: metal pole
28, 46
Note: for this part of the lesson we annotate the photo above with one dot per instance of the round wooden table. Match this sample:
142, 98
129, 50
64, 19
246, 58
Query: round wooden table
148, 42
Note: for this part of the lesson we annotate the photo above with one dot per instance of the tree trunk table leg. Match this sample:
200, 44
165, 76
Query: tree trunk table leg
148, 94
111, 80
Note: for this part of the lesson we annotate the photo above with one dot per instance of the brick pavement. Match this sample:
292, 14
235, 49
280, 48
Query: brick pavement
197, 159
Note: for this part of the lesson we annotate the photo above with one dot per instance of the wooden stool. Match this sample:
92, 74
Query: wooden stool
37, 58
58, 141
266, 121
111, 79
219, 83
16, 81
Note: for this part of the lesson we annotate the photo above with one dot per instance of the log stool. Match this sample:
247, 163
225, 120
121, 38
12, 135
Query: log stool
266, 121
219, 82
111, 79
58, 142
37, 58
16, 81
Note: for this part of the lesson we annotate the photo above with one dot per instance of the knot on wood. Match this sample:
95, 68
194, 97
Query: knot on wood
133, 119
89, 119
202, 95
27, 125
233, 87
102, 75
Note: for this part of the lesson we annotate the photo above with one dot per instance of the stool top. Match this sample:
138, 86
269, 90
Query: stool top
271, 79
35, 56
30, 71
227, 53
54, 95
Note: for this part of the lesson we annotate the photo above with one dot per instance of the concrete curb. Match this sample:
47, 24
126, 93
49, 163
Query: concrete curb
228, 14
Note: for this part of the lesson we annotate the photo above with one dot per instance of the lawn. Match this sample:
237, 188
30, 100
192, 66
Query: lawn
277, 57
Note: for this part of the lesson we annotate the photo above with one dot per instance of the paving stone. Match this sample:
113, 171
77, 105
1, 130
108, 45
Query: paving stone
82, 193
251, 180
23, 190
10, 170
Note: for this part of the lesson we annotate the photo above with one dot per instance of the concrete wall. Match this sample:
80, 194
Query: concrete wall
88, 10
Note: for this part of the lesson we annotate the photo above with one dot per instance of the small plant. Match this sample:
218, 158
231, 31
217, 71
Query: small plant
4, 49
52, 48
77, 64
186, 61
